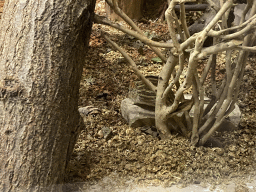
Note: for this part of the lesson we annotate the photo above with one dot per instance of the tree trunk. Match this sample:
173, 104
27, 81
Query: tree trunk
1, 7
132, 8
42, 49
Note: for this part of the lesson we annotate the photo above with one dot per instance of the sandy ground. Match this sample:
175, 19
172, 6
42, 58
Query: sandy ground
132, 160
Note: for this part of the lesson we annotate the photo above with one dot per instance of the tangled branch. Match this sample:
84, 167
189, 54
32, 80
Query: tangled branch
235, 42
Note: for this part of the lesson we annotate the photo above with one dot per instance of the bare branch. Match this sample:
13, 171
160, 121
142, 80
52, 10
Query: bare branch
250, 49
200, 40
120, 13
213, 5
195, 135
186, 84
164, 78
242, 33
245, 11
227, 107
189, 41
206, 69
181, 126
218, 48
216, 96
170, 17
253, 9
183, 20
132, 64
213, 33
114, 6
195, 7
169, 105
213, 76
177, 77
102, 20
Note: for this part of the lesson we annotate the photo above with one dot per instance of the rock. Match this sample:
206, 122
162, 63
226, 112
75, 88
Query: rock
151, 130
230, 123
238, 11
100, 134
136, 116
107, 133
84, 111
213, 143
104, 95
219, 151
129, 131
235, 116
232, 148
248, 68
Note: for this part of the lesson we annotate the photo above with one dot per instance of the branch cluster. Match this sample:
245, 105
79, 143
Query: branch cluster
237, 39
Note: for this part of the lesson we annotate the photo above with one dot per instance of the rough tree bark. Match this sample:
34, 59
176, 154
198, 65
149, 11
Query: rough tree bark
42, 48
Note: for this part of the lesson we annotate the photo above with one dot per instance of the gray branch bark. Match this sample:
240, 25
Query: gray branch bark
215, 24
